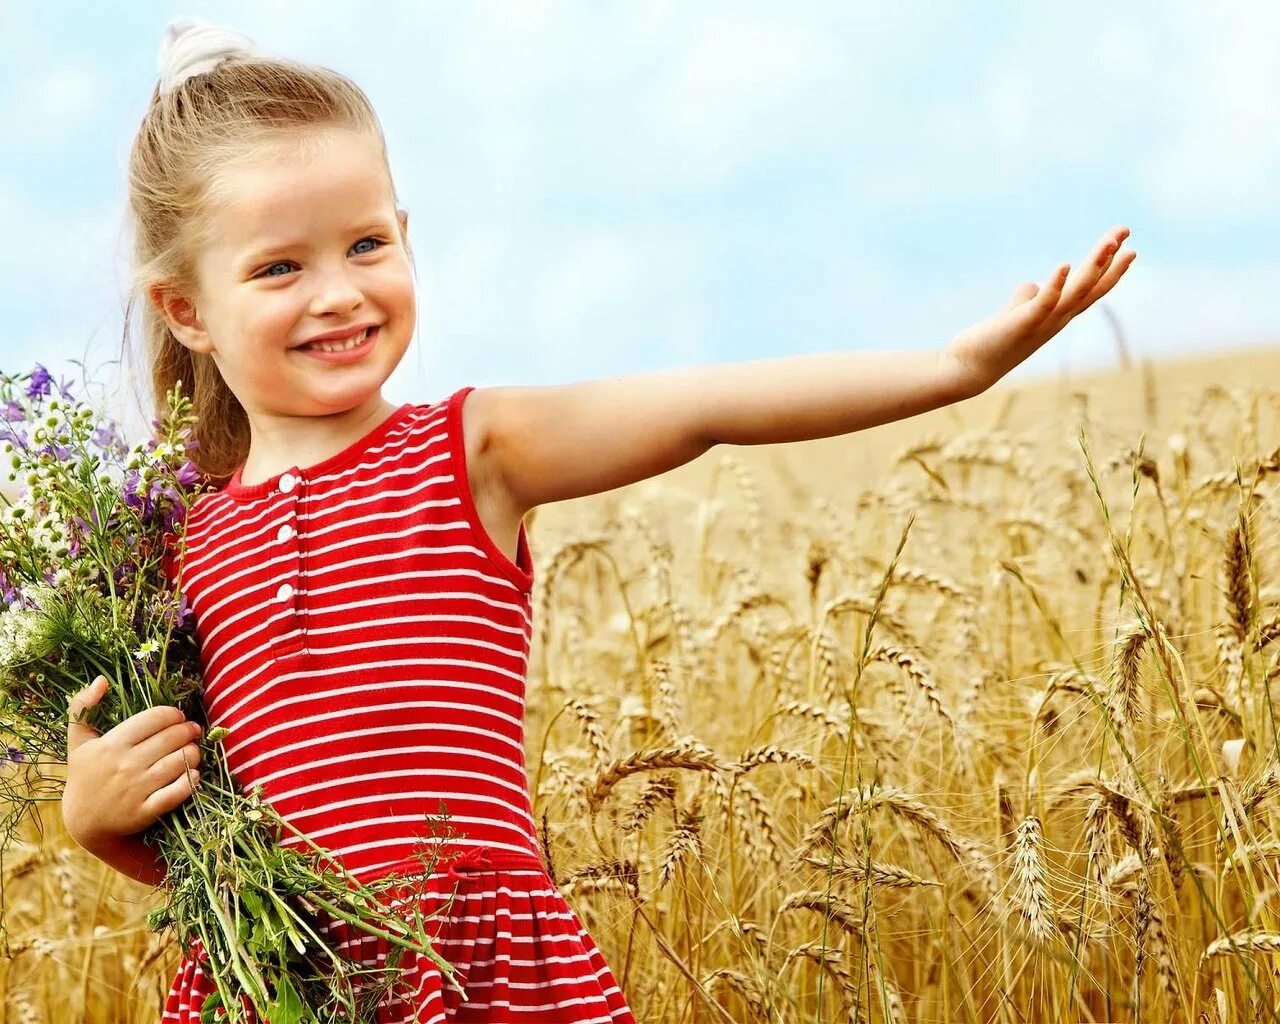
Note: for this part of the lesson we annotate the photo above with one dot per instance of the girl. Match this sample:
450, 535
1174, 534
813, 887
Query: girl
361, 578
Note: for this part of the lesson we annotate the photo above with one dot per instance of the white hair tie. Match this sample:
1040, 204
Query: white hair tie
192, 46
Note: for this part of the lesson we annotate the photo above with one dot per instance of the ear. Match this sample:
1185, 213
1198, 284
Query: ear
403, 217
182, 317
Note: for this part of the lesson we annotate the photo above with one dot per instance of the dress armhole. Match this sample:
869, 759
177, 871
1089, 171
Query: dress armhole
519, 572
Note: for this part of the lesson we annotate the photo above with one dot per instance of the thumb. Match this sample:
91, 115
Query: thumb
77, 731
1021, 294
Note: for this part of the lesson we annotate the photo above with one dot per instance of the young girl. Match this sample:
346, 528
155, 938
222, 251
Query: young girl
361, 579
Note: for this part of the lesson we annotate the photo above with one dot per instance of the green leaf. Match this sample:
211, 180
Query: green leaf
209, 1008
252, 902
286, 1007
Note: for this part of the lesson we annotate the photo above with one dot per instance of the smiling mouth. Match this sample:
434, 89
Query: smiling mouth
339, 346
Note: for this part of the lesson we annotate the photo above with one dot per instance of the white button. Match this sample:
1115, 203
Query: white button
285, 532
287, 483
285, 592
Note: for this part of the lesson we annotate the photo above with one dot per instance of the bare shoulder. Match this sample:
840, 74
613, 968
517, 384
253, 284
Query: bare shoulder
493, 502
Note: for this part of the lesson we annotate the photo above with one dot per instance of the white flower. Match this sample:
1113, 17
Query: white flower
148, 648
24, 633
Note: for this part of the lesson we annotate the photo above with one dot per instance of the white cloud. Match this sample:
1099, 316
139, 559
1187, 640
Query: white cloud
1223, 157
742, 87
49, 108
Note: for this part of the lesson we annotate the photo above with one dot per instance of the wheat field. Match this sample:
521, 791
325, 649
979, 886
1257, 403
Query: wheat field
967, 718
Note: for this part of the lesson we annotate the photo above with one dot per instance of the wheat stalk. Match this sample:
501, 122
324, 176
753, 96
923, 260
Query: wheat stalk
1030, 881
829, 905
770, 754
685, 755
1242, 942
887, 876
684, 842
833, 962
744, 986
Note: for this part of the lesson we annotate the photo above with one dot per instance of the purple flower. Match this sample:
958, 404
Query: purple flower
15, 754
39, 385
61, 452
13, 412
188, 474
18, 437
79, 531
185, 618
108, 438
7, 590
132, 497
64, 389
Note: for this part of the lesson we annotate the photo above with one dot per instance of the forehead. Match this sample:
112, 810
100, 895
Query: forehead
285, 191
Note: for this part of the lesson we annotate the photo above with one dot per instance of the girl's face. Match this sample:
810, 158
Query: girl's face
301, 244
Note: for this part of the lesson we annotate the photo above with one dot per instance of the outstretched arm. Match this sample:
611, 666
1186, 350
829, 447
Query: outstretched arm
567, 441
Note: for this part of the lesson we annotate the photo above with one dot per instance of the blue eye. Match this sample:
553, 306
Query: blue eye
285, 263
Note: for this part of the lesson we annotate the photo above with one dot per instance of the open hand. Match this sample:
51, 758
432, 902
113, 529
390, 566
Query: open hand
980, 355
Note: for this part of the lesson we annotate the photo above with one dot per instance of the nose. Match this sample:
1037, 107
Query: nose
335, 291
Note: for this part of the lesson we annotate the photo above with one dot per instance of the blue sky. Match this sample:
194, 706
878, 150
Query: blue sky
601, 189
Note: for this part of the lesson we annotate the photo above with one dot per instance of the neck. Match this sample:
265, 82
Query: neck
278, 441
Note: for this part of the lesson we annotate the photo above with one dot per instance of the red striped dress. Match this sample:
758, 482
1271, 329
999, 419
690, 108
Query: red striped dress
366, 643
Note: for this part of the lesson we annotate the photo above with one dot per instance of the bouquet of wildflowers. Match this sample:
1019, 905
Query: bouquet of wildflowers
83, 548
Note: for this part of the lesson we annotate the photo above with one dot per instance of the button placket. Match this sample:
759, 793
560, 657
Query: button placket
286, 541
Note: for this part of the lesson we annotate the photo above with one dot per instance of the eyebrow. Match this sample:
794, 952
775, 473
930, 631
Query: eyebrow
268, 250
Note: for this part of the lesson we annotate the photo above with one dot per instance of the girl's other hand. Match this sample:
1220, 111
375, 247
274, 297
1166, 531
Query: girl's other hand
121, 781
980, 355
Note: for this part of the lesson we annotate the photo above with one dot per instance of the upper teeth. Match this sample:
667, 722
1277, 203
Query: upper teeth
339, 346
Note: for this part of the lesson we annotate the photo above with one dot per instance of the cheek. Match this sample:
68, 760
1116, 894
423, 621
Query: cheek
272, 318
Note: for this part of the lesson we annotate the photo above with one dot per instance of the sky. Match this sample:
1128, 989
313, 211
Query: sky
599, 189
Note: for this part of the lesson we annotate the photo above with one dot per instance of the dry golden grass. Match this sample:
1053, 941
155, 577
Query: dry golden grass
951, 720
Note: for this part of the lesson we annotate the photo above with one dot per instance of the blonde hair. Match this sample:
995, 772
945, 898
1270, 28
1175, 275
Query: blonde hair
194, 126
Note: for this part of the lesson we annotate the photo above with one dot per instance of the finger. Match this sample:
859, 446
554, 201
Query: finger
172, 765
1052, 290
1119, 265
166, 741
168, 797
144, 724
77, 731
1087, 275
1024, 291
